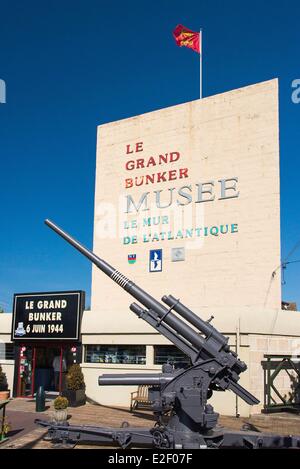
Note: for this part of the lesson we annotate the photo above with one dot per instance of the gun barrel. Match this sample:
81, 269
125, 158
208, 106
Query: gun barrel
133, 379
140, 295
106, 268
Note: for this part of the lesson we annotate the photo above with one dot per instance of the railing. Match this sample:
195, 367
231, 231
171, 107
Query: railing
274, 398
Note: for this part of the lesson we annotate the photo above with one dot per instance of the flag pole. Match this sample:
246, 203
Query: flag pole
200, 46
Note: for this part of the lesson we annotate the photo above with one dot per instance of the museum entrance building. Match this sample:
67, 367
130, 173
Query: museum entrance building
43, 365
187, 202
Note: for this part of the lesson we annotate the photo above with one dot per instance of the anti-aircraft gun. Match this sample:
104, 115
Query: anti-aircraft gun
184, 418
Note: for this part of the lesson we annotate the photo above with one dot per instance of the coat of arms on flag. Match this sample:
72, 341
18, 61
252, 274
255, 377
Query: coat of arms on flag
185, 37
131, 258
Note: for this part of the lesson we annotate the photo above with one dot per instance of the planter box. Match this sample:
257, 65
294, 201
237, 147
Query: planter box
59, 417
4, 395
75, 398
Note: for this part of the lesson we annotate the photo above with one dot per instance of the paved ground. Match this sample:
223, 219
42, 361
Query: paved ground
20, 423
25, 434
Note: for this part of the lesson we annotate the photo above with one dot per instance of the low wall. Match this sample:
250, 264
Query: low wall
251, 349
225, 403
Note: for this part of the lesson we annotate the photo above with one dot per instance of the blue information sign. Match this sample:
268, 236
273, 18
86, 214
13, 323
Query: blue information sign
155, 260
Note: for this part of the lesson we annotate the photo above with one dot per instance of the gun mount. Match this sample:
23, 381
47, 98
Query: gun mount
180, 397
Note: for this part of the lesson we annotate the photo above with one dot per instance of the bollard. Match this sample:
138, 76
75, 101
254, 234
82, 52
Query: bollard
40, 399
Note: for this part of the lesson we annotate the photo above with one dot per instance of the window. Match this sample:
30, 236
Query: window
125, 354
6, 351
170, 354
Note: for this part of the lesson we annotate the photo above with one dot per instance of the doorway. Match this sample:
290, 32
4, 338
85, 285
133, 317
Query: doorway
43, 365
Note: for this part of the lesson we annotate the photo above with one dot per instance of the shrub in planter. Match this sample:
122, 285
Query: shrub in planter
60, 403
4, 392
75, 391
60, 414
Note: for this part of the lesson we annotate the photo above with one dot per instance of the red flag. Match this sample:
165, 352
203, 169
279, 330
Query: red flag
185, 37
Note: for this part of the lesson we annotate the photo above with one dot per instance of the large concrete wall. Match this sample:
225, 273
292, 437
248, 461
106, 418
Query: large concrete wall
231, 135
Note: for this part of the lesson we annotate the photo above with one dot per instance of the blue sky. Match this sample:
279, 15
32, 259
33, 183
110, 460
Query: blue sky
72, 65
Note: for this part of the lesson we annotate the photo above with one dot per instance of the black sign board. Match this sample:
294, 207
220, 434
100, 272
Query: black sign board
47, 316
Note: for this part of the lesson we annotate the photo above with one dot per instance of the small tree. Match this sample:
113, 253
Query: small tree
75, 378
3, 380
